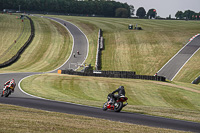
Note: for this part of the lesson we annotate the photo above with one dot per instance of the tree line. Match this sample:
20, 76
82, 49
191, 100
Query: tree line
141, 13
152, 13
97, 7
188, 14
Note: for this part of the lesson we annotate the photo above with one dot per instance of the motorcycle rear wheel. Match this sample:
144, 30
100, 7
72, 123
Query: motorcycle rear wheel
118, 106
105, 106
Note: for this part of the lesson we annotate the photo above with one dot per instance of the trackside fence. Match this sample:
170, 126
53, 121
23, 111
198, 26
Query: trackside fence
113, 74
21, 50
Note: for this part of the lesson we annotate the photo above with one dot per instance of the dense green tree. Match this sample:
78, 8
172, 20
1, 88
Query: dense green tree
179, 15
151, 13
170, 17
105, 8
121, 12
141, 12
132, 10
188, 14
198, 15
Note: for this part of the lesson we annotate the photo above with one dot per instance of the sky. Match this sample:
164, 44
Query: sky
165, 7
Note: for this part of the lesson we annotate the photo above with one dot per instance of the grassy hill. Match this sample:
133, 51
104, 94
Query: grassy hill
49, 49
173, 100
143, 51
12, 29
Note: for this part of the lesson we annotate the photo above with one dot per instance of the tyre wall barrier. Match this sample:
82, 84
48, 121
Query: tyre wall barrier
113, 74
196, 81
21, 50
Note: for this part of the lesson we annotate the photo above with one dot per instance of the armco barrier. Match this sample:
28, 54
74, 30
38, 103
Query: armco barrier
101, 41
21, 50
100, 46
113, 74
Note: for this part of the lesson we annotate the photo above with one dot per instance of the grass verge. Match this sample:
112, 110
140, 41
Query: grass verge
143, 51
154, 98
19, 119
12, 29
50, 48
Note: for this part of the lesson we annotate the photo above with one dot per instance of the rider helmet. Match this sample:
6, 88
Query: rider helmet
122, 87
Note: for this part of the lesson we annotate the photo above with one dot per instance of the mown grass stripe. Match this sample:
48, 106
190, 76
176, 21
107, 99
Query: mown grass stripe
149, 97
50, 48
149, 49
33, 120
10, 29
14, 42
12, 50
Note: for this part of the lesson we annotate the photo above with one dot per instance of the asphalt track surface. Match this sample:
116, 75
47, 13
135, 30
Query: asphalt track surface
22, 99
173, 66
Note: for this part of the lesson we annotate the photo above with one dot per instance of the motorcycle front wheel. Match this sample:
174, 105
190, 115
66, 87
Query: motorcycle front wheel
118, 106
105, 106
7, 92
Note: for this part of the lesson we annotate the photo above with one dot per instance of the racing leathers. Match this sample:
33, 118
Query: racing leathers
121, 92
9, 84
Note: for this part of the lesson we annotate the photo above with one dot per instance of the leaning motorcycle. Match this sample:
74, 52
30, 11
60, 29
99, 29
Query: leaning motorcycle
117, 106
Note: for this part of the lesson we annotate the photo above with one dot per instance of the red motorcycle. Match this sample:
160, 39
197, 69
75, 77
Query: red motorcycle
117, 106
7, 91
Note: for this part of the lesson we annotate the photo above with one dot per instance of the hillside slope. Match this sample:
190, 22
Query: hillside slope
144, 51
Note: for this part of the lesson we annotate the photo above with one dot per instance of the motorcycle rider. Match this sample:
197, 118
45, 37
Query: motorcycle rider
9, 84
121, 92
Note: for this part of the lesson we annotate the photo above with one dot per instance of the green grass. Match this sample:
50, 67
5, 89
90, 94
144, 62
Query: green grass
12, 29
143, 51
19, 119
50, 48
190, 71
148, 97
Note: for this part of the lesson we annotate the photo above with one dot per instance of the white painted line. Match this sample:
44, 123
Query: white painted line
72, 47
23, 90
184, 64
19, 84
45, 98
176, 55
73, 42
20, 73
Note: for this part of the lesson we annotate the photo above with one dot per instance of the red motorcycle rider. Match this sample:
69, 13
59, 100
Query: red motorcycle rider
9, 84
121, 92
116, 102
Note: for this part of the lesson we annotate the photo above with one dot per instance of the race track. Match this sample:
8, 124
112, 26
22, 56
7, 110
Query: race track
173, 66
81, 44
